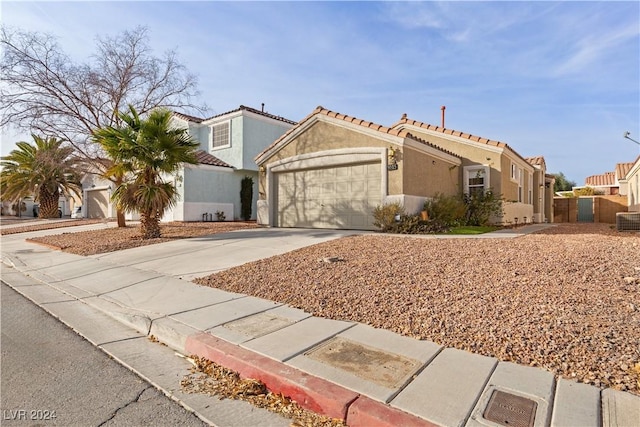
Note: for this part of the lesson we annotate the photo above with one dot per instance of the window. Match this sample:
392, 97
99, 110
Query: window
476, 179
514, 171
220, 135
530, 188
520, 182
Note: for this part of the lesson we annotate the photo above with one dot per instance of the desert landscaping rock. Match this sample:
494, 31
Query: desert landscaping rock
115, 239
560, 299
557, 299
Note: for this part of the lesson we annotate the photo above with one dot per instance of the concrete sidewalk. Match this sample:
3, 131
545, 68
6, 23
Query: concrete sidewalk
342, 369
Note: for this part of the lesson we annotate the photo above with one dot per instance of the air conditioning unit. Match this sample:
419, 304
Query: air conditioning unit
628, 221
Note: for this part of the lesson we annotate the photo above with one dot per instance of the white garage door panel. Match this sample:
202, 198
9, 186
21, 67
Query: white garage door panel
338, 197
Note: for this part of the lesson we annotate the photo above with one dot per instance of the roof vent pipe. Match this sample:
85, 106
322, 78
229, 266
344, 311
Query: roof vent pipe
263, 107
443, 108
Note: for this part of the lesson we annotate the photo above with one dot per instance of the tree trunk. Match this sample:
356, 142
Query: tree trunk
48, 203
150, 225
120, 217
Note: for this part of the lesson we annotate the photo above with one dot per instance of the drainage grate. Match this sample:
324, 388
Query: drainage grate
510, 410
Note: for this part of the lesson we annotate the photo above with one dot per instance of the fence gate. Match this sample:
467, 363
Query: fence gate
585, 209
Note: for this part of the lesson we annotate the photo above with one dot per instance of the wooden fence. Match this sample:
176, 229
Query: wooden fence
604, 208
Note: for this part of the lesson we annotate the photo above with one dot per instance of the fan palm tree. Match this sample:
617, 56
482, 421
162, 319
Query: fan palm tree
43, 169
144, 152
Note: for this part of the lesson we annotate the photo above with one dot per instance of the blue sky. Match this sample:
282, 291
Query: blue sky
557, 79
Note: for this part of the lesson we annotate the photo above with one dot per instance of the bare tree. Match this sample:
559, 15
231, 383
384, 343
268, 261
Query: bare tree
43, 91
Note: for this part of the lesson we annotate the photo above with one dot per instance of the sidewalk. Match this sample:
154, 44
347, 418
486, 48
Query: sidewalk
341, 369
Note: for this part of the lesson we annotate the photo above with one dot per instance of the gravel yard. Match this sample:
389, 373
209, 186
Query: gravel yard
566, 299
116, 239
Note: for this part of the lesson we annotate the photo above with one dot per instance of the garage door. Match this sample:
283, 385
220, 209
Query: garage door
341, 197
97, 203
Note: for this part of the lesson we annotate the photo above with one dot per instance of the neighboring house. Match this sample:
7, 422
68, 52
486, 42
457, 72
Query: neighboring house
65, 205
604, 184
332, 170
228, 143
609, 183
631, 185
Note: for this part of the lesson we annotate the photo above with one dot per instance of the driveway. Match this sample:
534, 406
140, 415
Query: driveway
201, 256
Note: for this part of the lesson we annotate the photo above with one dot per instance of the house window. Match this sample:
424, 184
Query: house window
520, 182
476, 179
220, 135
530, 189
514, 171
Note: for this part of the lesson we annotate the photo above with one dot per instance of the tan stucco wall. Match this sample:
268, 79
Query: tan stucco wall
322, 136
425, 175
470, 155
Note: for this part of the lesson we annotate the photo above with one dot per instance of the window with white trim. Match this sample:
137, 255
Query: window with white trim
220, 135
514, 171
530, 188
476, 179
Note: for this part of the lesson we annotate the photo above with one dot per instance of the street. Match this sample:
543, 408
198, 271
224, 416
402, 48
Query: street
52, 376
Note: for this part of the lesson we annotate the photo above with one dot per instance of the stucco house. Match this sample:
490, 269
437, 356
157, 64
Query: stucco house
609, 183
228, 144
521, 181
332, 170
630, 183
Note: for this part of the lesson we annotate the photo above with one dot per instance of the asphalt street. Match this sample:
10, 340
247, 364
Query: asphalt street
52, 376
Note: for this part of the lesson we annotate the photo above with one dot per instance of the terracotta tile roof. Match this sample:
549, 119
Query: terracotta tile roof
405, 120
255, 111
187, 117
370, 125
205, 158
607, 178
445, 131
622, 169
537, 160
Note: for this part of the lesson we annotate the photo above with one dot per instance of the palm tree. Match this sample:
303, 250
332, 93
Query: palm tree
145, 152
43, 169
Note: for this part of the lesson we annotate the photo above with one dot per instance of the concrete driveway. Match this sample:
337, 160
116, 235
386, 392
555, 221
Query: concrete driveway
200, 256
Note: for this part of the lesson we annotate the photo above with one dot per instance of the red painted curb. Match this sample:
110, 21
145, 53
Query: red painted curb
368, 412
310, 392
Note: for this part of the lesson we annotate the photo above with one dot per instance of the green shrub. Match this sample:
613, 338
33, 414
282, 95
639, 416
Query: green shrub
481, 207
384, 216
448, 210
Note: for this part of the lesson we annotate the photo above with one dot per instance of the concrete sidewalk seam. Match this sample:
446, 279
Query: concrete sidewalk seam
412, 377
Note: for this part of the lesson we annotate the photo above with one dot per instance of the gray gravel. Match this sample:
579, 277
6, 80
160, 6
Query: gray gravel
566, 299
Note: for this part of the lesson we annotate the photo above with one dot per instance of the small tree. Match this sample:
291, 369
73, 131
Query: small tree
43, 169
144, 152
246, 197
44, 91
562, 183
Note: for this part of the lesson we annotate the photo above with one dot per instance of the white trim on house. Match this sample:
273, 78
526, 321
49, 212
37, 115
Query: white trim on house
474, 169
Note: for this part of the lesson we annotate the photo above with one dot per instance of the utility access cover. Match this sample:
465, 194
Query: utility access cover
386, 369
258, 325
510, 410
